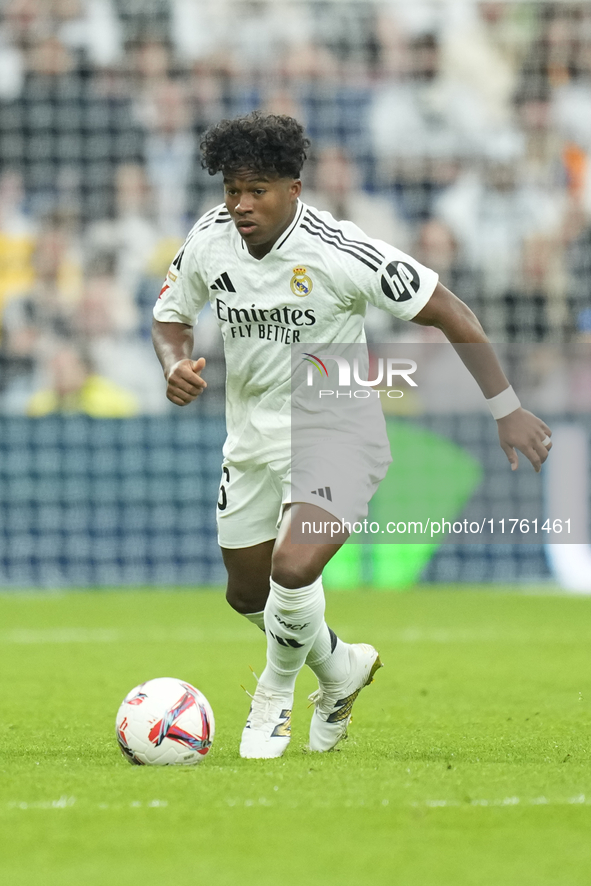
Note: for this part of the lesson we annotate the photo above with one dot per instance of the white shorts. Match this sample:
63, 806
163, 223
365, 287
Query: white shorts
252, 498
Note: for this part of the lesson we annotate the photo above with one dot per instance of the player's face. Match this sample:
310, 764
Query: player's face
262, 206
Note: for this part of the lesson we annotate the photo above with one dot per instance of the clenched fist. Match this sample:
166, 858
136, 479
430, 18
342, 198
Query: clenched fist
184, 382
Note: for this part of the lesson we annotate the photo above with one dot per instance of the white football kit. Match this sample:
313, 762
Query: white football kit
313, 286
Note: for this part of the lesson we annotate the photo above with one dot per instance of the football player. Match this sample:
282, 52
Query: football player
277, 273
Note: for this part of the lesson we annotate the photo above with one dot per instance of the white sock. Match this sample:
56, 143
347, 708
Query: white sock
293, 618
328, 657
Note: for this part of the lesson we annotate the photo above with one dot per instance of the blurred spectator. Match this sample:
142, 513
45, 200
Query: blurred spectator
106, 321
571, 111
414, 129
150, 63
17, 232
89, 26
436, 247
445, 97
64, 134
508, 232
23, 23
584, 326
47, 307
199, 29
579, 278
476, 59
131, 235
572, 101
351, 36
143, 19
76, 388
164, 110
104, 309
170, 155
336, 186
542, 159
259, 33
334, 99
32, 320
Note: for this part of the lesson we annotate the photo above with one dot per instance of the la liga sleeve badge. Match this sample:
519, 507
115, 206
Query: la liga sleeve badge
300, 283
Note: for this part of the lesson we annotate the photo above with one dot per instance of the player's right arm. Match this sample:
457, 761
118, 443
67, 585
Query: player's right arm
173, 343
183, 295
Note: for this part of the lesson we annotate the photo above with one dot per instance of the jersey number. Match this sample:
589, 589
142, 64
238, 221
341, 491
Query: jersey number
223, 499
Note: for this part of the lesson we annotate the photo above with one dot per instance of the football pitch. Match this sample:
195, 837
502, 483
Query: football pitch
467, 761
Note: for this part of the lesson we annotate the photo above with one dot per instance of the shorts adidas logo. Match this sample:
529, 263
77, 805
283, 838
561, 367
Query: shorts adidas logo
323, 492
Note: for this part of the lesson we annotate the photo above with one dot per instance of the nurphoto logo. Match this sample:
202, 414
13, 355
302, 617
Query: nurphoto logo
386, 370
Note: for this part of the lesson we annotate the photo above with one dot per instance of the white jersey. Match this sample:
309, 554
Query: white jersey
313, 286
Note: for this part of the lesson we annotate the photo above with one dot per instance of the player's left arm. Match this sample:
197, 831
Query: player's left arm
519, 429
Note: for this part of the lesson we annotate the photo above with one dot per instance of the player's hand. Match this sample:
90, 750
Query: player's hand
524, 431
184, 382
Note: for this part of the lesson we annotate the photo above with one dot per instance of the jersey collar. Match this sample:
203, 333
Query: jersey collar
280, 242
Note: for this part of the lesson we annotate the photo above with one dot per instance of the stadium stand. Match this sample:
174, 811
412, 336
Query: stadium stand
460, 130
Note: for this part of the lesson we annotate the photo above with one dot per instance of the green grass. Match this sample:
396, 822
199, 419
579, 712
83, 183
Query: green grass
467, 762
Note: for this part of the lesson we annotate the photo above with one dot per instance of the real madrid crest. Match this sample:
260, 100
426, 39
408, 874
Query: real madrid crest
300, 283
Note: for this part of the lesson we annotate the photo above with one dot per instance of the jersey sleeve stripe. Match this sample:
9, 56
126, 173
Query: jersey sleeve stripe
293, 226
207, 217
332, 242
201, 225
367, 248
211, 212
212, 221
216, 215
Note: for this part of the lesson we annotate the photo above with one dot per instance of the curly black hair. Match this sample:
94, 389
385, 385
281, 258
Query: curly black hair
263, 143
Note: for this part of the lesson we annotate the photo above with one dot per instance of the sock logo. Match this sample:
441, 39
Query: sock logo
284, 641
333, 639
291, 627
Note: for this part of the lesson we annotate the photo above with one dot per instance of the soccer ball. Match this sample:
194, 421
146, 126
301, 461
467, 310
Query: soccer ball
165, 722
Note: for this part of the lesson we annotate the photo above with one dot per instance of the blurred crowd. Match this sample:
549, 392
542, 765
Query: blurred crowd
459, 131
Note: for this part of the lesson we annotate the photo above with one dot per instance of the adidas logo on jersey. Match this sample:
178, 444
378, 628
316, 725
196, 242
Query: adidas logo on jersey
224, 283
323, 492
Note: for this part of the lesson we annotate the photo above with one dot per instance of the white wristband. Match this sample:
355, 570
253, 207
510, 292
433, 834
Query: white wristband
504, 403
